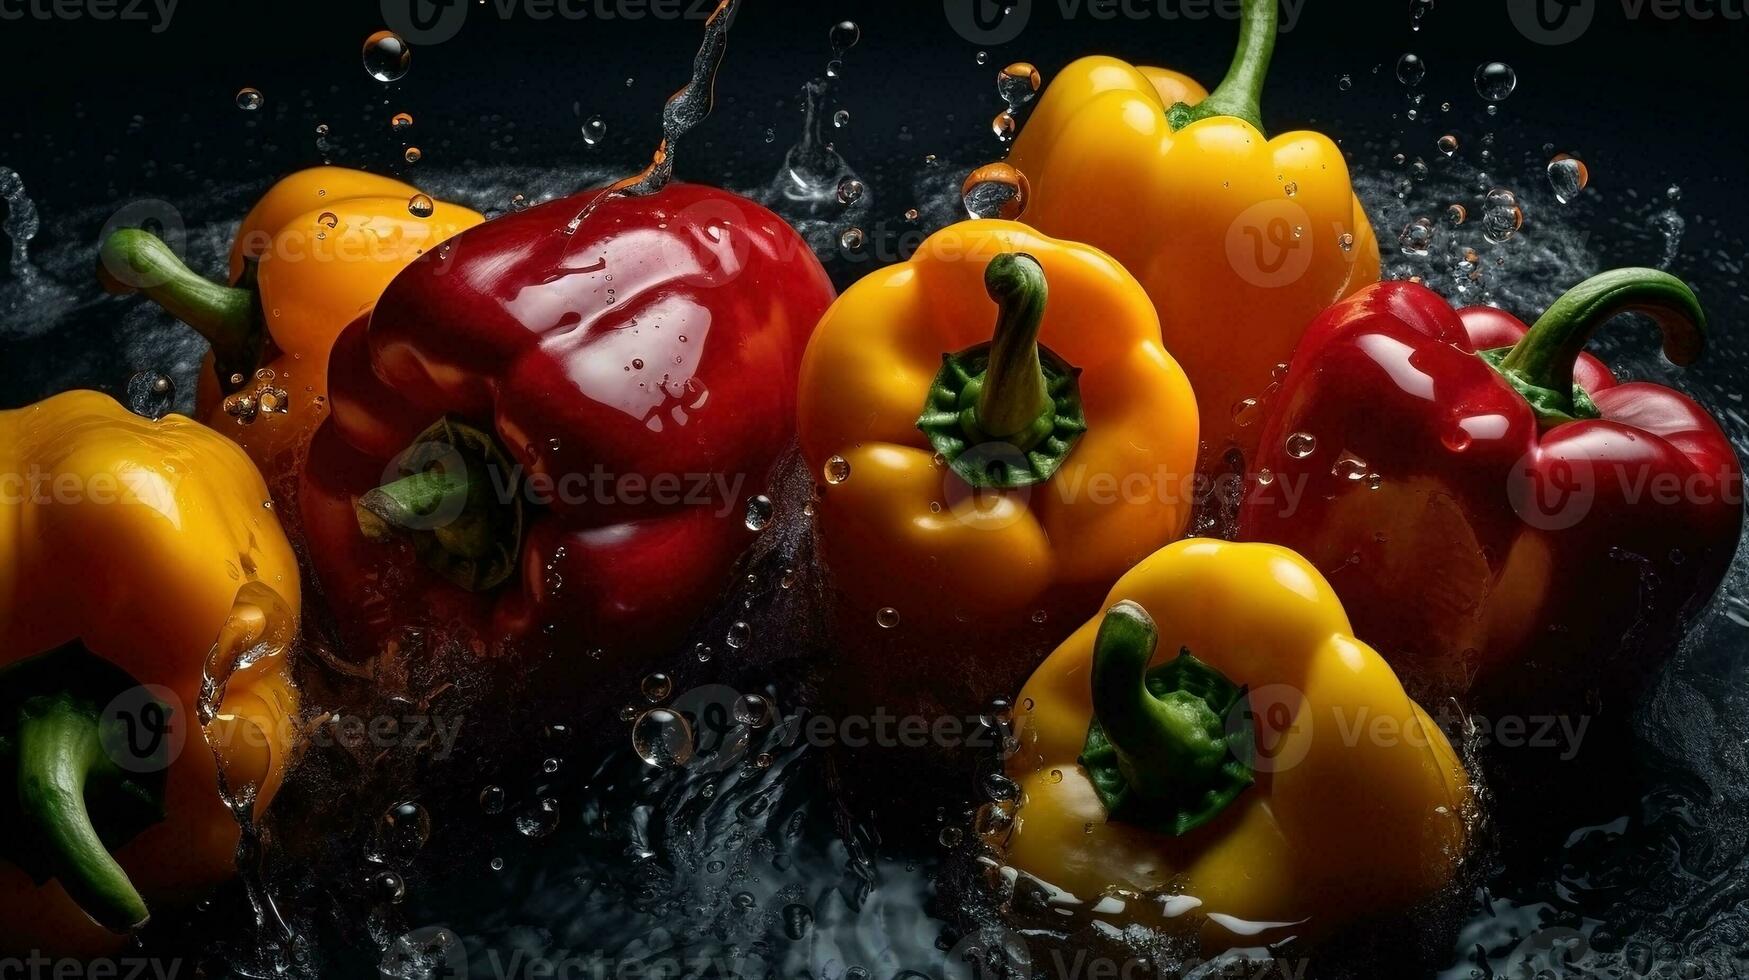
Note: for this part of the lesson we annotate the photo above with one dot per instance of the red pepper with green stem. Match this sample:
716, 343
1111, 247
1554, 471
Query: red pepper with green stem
1492, 506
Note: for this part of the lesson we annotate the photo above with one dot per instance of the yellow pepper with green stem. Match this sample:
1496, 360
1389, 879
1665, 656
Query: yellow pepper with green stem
1239, 239
148, 601
1269, 772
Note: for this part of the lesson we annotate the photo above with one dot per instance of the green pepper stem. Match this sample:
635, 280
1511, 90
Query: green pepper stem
132, 261
1014, 393
1240, 94
1139, 725
58, 751
1545, 357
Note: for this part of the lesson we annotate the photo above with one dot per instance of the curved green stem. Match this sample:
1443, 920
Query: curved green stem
452, 504
1014, 393
1170, 747
1546, 355
1240, 94
132, 261
59, 751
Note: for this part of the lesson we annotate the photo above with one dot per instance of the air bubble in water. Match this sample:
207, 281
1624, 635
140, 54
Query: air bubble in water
405, 827
1495, 81
753, 710
1457, 214
657, 687
1501, 215
539, 820
844, 35
887, 617
759, 510
1568, 176
594, 130
1447, 144
1299, 445
424, 954
400, 121
250, 99
1411, 69
1004, 125
995, 190
1345, 82
413, 154
386, 56
1416, 237
852, 239
420, 206
837, 470
850, 191
1018, 84
662, 738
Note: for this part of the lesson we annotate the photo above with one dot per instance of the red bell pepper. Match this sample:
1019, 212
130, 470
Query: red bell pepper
592, 390
1491, 505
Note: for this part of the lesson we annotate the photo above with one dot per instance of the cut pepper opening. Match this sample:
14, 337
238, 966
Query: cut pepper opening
1168, 748
1540, 365
75, 803
1240, 94
448, 503
1007, 413
133, 260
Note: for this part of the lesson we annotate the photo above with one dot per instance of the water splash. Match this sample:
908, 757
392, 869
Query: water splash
22, 222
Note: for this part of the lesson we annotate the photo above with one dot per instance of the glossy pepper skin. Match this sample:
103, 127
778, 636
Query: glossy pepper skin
908, 522
1239, 239
1514, 516
315, 252
1355, 799
140, 559
622, 369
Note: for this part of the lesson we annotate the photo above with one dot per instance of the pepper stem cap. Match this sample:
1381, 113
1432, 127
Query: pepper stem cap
133, 260
1240, 94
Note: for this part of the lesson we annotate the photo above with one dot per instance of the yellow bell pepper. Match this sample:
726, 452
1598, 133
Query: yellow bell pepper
1239, 239
1270, 774
139, 561
977, 477
314, 254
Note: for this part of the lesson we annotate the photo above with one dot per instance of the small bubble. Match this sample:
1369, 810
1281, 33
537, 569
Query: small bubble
1447, 144
850, 190
594, 130
759, 511
386, 56
995, 190
739, 635
852, 239
400, 121
1495, 81
662, 738
539, 820
657, 687
1345, 82
1501, 215
837, 470
1299, 445
1568, 176
250, 99
420, 206
1004, 125
844, 35
887, 617
413, 154
983, 57
1411, 69
753, 710
841, 118
492, 800
1457, 214
1416, 237
1345, 241
1018, 84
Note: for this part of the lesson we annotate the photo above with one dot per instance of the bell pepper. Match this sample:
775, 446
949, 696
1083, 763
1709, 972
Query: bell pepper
1239, 239
977, 476
547, 433
315, 251
1267, 777
148, 599
1490, 503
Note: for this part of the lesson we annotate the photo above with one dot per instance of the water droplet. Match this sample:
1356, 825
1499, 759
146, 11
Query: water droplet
657, 686
852, 239
739, 635
1291, 188
1345, 241
518, 202
1495, 81
887, 617
400, 121
1411, 69
995, 190
982, 58
797, 920
1345, 82
1447, 144
850, 190
1501, 215
759, 510
753, 710
1416, 237
594, 130
1349, 467
420, 206
1457, 214
413, 154
1568, 175
841, 118
702, 651
250, 99
1673, 192
1246, 412
662, 738
837, 470
1004, 125
405, 827
386, 56
389, 887
1299, 445
424, 954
